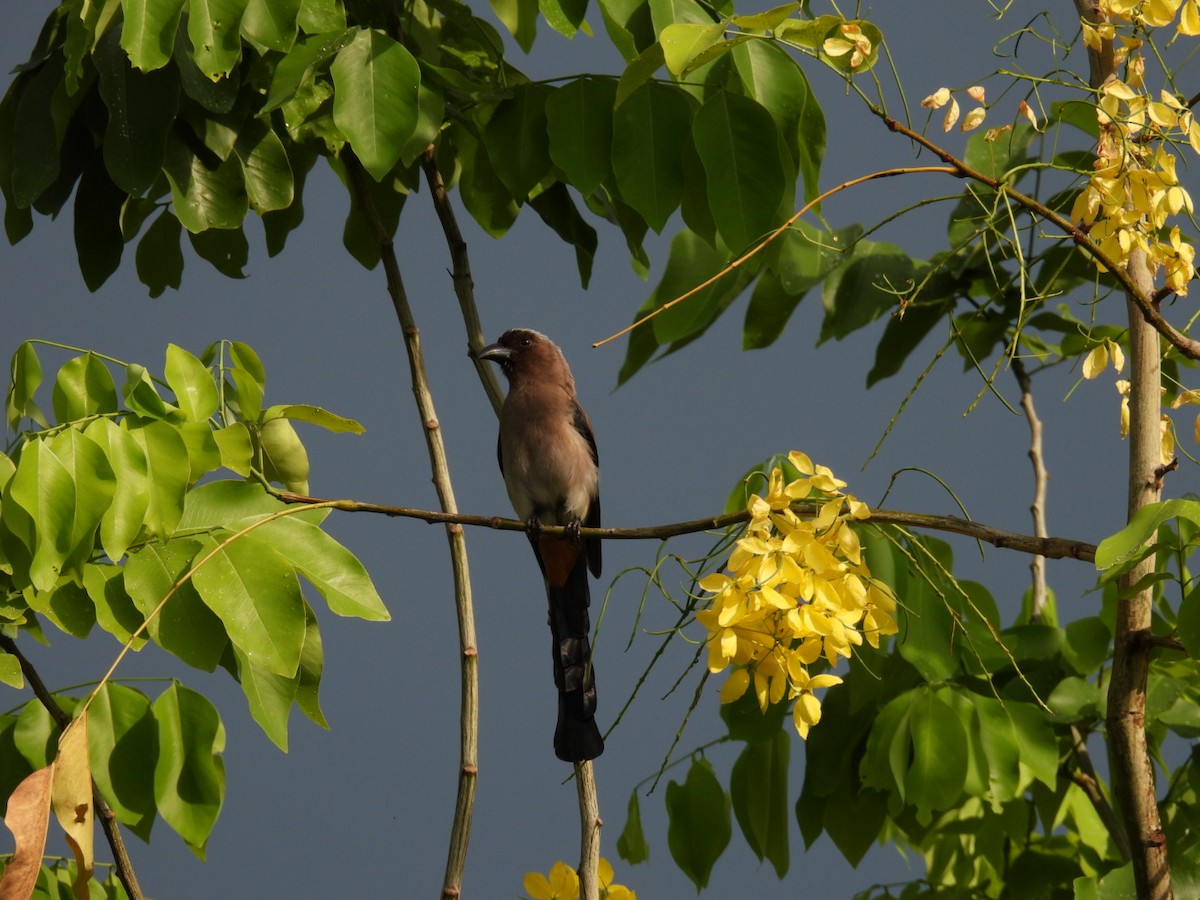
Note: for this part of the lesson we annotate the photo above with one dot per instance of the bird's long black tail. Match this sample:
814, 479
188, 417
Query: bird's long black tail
576, 738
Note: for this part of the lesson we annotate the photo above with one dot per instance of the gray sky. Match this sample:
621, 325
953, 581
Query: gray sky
364, 810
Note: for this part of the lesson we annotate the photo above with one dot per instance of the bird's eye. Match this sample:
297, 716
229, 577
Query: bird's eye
526, 341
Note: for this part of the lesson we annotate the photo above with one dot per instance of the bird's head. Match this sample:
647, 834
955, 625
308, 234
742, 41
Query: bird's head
522, 351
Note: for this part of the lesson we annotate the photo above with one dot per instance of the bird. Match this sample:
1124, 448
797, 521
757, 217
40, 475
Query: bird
547, 454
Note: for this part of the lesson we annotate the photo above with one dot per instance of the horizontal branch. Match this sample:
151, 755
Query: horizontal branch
1050, 547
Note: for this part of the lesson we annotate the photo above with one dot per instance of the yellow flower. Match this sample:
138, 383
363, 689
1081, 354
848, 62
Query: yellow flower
608, 890
853, 41
807, 711
563, 883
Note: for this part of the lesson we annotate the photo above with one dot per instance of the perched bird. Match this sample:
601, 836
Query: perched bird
548, 459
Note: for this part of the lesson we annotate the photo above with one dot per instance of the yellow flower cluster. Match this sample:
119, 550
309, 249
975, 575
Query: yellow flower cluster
795, 589
563, 884
1134, 189
852, 41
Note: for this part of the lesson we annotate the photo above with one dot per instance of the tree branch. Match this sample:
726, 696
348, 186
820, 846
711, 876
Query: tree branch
104, 814
460, 829
1050, 547
1040, 476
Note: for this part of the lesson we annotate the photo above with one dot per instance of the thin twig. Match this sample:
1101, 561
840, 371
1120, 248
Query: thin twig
104, 814
1050, 547
460, 829
1040, 476
1089, 783
590, 824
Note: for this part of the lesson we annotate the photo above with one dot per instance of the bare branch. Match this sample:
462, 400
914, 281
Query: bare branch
1040, 477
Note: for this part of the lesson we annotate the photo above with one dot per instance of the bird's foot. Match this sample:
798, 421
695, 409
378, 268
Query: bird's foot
572, 530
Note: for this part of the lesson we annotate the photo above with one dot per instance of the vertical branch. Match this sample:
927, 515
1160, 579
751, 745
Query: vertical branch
590, 824
1133, 776
104, 814
465, 804
1040, 476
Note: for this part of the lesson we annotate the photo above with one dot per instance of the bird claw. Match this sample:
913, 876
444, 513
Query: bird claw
533, 528
572, 531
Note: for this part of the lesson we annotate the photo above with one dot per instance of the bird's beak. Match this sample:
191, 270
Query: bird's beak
495, 352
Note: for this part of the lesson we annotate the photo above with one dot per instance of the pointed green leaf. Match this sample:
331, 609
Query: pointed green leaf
699, 826
314, 415
331, 568
123, 746
934, 780
765, 21
682, 43
97, 225
558, 210
192, 383
82, 388
1128, 543
93, 485
639, 72
141, 109
185, 626
321, 16
10, 671
268, 174
115, 609
268, 695
759, 796
249, 377
213, 28
236, 448
854, 822
43, 489
67, 606
564, 16
159, 260
516, 139
148, 31
204, 198
375, 101
774, 78
312, 664
579, 123
649, 129
167, 470
122, 521
739, 145
36, 140
631, 845
520, 18
483, 193
189, 774
864, 287
271, 24
254, 592
26, 376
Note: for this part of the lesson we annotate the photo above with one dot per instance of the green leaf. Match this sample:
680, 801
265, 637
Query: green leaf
1087, 643
249, 377
774, 78
186, 626
192, 383
115, 610
483, 193
746, 721
225, 248
886, 762
189, 774
375, 101
167, 471
141, 110
25, 378
204, 455
265, 165
692, 262
297, 67
159, 260
558, 210
579, 123
271, 24
284, 458
902, 335
1127, 544
739, 145
649, 129
632, 845
934, 780
312, 664
204, 198
864, 287
122, 521
683, 42
123, 746
148, 31
854, 822
236, 448
629, 26
516, 139
67, 606
96, 225
314, 415
36, 139
639, 72
213, 26
84, 387
10, 671
36, 735
520, 18
698, 827
320, 16
758, 793
332, 569
765, 21
254, 591
1075, 699
268, 695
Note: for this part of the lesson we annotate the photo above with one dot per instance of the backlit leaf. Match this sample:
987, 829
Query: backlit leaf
649, 129
698, 827
189, 774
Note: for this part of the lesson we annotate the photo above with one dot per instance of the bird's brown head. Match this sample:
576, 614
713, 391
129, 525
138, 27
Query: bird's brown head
523, 351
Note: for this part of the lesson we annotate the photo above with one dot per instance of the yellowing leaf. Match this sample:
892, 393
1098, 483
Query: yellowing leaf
27, 817
71, 797
974, 119
951, 116
937, 99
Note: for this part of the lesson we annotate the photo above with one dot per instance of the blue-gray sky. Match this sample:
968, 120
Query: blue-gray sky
364, 809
